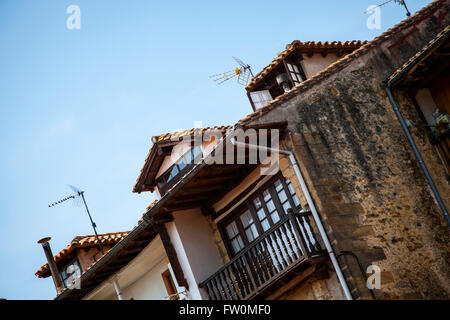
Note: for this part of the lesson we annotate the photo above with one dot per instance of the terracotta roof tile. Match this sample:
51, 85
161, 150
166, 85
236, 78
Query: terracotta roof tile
343, 62
82, 242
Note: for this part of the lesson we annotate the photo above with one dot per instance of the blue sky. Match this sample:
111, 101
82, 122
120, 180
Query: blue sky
80, 106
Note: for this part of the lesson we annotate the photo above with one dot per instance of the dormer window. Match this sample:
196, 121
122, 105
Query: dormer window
178, 169
287, 74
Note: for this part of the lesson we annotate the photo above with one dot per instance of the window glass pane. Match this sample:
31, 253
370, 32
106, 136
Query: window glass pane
296, 68
289, 67
261, 214
265, 225
290, 187
252, 233
278, 185
173, 173
275, 217
182, 165
237, 244
261, 98
296, 201
282, 196
247, 219
266, 195
232, 230
270, 206
286, 206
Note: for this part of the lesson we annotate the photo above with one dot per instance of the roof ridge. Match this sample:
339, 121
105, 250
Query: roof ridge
193, 129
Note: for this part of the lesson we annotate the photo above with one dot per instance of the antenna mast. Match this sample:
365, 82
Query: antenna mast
243, 72
401, 2
79, 193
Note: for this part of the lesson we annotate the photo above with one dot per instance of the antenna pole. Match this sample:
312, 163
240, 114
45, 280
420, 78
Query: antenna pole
94, 226
407, 10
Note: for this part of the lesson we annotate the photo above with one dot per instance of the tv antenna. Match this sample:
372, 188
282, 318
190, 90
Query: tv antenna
80, 194
401, 2
243, 73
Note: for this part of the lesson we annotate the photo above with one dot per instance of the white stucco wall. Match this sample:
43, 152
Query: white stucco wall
316, 63
197, 251
140, 279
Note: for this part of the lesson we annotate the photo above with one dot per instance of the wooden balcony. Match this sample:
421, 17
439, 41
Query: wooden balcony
289, 244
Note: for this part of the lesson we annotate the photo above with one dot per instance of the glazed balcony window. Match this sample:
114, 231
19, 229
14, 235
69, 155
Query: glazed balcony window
178, 169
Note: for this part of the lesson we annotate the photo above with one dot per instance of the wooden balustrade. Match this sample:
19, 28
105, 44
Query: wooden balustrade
289, 243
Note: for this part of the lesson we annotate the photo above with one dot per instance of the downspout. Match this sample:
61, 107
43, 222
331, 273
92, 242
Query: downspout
312, 207
117, 288
413, 144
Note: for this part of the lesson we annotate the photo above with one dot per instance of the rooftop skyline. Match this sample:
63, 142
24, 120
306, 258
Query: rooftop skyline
80, 106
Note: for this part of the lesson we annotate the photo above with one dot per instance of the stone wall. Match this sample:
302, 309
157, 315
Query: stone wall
363, 176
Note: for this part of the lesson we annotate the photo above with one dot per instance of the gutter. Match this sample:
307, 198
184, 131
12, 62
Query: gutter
312, 206
389, 83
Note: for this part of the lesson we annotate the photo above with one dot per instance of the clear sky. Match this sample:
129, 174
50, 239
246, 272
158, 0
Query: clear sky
80, 106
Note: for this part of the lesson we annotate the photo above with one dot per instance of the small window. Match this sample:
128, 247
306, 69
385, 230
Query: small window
295, 73
260, 98
71, 272
170, 285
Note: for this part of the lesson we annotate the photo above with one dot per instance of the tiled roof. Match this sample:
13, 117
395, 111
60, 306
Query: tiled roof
82, 242
419, 53
171, 137
343, 62
178, 135
305, 47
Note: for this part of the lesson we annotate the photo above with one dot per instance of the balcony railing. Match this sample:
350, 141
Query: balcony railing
288, 244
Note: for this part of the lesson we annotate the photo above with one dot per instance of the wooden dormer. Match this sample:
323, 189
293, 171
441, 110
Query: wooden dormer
170, 157
300, 61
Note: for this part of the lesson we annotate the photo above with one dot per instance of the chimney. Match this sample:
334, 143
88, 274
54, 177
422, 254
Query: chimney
51, 263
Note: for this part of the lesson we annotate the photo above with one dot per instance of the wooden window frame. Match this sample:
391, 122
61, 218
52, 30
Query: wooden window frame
62, 271
300, 68
164, 185
170, 285
248, 205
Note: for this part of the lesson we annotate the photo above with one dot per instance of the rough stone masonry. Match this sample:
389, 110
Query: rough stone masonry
363, 176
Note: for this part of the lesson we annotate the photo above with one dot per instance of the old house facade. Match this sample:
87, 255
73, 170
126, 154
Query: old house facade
354, 174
